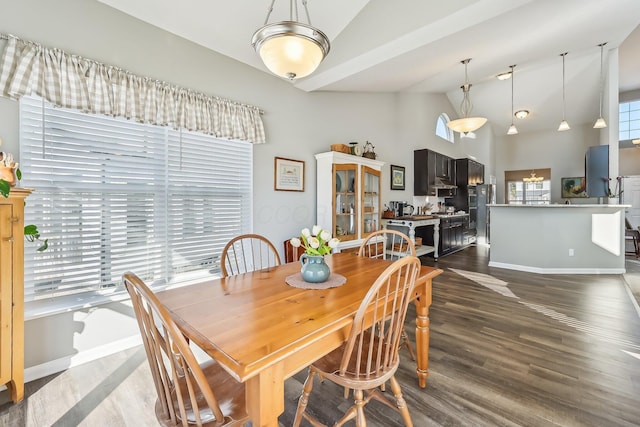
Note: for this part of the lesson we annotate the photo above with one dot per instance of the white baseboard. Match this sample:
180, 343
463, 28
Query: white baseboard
539, 270
58, 365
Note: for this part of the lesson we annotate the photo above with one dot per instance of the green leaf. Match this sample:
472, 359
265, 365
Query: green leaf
5, 188
44, 246
18, 173
30, 230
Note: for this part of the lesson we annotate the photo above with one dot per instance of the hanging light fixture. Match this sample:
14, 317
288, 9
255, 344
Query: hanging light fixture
521, 114
600, 123
290, 49
466, 124
533, 177
563, 124
512, 129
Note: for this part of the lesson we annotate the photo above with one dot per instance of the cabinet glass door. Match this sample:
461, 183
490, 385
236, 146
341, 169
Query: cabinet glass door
345, 224
370, 200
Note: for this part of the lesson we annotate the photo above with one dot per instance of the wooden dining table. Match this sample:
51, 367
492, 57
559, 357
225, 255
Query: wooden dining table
263, 331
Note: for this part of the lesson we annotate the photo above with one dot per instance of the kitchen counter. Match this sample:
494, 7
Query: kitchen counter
409, 223
558, 239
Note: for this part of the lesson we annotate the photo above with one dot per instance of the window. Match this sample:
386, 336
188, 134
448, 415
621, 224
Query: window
629, 121
113, 195
520, 192
529, 193
442, 130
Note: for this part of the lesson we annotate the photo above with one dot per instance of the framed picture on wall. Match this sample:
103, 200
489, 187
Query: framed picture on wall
397, 177
288, 174
574, 186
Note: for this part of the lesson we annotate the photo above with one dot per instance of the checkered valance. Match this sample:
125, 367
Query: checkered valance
72, 81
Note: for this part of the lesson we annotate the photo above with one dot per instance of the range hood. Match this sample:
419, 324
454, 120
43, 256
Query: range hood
442, 182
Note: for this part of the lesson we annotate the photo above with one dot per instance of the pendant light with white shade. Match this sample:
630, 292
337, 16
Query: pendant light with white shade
466, 124
290, 49
600, 123
563, 124
512, 129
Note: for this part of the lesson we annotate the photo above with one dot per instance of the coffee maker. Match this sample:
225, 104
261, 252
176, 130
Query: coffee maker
400, 209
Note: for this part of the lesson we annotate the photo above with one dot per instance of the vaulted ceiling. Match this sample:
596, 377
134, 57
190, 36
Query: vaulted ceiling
417, 46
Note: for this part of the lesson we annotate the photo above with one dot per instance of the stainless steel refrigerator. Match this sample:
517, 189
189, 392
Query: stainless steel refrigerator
485, 195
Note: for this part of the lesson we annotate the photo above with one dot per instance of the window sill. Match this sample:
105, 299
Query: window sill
51, 307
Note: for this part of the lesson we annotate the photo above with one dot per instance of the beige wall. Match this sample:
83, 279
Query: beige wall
630, 161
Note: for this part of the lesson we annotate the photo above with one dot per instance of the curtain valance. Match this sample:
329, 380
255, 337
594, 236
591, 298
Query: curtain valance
72, 81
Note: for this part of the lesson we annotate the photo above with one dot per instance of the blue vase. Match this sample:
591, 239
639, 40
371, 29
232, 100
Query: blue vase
314, 269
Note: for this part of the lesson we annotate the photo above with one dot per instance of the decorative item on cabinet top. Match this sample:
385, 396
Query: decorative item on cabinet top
368, 151
353, 148
341, 148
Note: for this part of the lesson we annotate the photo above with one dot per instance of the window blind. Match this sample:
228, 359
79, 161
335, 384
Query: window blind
113, 195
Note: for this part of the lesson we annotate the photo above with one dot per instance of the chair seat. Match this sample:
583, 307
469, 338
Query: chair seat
229, 392
329, 366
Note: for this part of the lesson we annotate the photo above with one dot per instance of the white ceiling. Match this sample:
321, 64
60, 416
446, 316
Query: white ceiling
417, 46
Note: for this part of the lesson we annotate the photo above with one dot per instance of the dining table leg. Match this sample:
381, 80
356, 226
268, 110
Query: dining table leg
422, 331
265, 396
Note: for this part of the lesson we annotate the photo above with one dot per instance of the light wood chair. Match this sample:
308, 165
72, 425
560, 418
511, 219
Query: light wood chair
248, 252
184, 387
369, 358
387, 244
390, 245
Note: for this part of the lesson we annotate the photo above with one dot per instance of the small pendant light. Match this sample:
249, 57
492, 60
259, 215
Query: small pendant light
600, 123
563, 124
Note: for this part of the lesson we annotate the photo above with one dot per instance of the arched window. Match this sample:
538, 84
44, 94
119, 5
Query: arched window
441, 128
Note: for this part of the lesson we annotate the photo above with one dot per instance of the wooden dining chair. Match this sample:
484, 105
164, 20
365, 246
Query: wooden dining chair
369, 358
184, 387
387, 244
390, 245
248, 252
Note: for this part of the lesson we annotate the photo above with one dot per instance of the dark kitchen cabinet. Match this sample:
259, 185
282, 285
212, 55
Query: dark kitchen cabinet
469, 172
431, 171
451, 234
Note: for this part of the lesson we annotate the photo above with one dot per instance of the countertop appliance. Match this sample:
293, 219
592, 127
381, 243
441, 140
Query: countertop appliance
401, 209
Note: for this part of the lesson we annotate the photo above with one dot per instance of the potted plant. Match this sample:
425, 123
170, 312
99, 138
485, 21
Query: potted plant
9, 173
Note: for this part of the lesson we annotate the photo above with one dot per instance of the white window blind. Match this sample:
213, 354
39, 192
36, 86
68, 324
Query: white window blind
113, 195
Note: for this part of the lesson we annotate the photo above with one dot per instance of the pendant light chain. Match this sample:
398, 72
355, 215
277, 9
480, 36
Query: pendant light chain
266, 20
563, 101
513, 130
512, 79
601, 80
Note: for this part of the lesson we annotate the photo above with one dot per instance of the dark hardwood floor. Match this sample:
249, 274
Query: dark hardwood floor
507, 349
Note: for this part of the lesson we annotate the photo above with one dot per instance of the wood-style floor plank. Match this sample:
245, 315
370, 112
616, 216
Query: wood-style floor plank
507, 349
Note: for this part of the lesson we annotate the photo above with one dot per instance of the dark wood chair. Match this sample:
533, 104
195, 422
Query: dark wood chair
292, 253
633, 236
369, 358
390, 245
248, 252
184, 387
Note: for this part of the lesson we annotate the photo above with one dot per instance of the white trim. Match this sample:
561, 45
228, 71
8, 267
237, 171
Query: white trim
539, 270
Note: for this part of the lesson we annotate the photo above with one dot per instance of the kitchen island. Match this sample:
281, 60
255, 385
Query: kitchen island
558, 239
408, 224
441, 234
